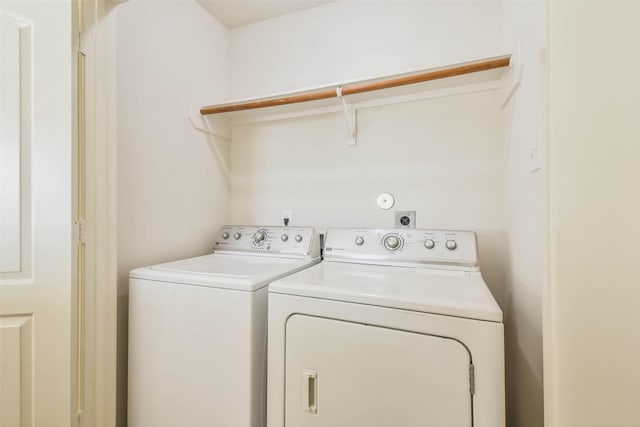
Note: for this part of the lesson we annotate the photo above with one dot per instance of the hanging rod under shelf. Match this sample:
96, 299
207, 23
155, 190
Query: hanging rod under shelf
359, 87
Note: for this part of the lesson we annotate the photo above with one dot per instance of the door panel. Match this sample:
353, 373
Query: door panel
348, 374
15, 142
36, 151
15, 371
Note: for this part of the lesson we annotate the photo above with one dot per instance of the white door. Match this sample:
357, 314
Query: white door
343, 374
36, 141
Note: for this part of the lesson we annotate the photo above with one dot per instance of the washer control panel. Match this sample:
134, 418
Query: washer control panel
434, 248
269, 240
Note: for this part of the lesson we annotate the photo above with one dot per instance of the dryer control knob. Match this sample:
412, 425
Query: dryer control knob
225, 235
451, 244
259, 236
429, 244
237, 236
359, 241
298, 238
284, 237
392, 242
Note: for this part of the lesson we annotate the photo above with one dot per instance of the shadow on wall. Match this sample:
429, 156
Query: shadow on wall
122, 365
524, 392
492, 256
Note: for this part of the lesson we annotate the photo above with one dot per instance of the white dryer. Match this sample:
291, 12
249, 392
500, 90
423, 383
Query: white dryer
394, 328
197, 329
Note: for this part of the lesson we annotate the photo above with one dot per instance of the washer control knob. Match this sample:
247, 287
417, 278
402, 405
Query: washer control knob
359, 241
392, 242
298, 238
451, 244
284, 237
429, 244
237, 236
259, 236
225, 235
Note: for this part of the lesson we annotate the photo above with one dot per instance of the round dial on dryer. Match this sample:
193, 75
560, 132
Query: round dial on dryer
225, 235
259, 237
392, 242
429, 244
451, 244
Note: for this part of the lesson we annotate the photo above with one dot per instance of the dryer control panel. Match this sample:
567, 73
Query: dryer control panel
447, 249
268, 240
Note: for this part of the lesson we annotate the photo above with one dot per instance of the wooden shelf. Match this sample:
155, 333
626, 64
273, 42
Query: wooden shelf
380, 85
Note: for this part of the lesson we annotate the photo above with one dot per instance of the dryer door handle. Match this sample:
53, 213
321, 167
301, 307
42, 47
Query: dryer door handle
310, 391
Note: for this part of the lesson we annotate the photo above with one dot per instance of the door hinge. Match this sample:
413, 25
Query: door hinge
80, 42
472, 379
79, 231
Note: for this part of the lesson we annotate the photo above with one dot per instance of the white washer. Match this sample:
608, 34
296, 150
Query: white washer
394, 328
197, 329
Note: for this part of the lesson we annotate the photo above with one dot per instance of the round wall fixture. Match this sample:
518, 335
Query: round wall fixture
386, 201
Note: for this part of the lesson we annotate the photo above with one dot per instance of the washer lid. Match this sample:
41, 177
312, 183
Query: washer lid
452, 293
239, 272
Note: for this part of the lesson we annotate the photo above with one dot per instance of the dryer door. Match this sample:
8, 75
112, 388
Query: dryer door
344, 374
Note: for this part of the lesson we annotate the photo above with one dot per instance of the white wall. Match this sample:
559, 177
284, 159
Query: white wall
172, 193
595, 206
354, 39
525, 209
441, 157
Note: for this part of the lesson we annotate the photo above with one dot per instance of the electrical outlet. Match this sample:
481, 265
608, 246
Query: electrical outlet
405, 219
287, 216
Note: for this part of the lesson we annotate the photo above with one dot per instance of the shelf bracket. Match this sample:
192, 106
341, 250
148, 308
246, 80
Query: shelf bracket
217, 134
514, 77
349, 116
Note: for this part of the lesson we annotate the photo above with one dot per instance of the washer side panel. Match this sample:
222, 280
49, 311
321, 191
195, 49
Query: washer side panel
187, 366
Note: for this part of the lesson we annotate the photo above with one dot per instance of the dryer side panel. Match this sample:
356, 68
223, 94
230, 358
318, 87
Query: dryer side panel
345, 374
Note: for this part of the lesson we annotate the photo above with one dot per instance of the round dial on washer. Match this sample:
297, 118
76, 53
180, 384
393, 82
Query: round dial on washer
259, 236
392, 242
284, 237
298, 238
359, 241
237, 236
429, 244
225, 235
451, 244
